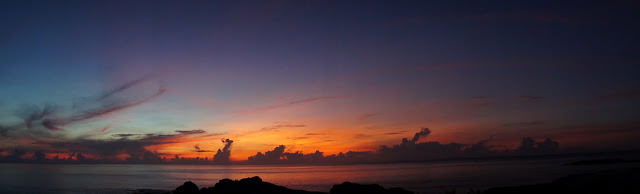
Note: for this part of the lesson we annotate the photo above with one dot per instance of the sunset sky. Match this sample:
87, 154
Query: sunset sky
332, 76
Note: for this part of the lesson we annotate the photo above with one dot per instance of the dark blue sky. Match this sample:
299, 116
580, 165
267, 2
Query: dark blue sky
466, 69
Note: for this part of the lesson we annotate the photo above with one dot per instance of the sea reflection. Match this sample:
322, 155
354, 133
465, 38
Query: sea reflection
422, 177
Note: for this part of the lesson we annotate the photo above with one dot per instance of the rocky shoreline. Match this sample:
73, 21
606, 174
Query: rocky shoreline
613, 181
255, 185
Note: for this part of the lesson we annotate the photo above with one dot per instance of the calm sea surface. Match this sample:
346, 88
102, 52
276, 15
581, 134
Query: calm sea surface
420, 177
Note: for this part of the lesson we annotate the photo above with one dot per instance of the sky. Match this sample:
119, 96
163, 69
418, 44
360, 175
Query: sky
115, 80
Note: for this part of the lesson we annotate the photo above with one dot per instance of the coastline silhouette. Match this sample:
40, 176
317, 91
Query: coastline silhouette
610, 181
255, 185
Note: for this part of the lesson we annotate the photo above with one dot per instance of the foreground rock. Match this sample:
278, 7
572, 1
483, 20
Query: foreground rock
603, 161
613, 181
255, 185
347, 188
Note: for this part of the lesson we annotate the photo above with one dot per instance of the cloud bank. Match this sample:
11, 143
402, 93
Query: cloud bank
408, 150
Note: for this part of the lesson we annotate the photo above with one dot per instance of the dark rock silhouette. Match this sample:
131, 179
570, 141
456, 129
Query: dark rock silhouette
620, 181
187, 188
255, 185
353, 188
603, 161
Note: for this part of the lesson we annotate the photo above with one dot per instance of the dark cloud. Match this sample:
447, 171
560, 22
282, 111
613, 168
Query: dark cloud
113, 107
395, 133
362, 135
40, 121
423, 133
527, 98
279, 126
130, 146
480, 97
223, 155
294, 102
408, 150
477, 103
367, 116
298, 138
110, 150
614, 96
122, 87
307, 100
189, 132
523, 124
272, 156
50, 117
31, 113
6, 129
125, 135
529, 146
197, 149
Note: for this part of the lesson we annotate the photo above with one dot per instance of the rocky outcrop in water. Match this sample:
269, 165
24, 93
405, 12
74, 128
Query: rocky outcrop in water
255, 185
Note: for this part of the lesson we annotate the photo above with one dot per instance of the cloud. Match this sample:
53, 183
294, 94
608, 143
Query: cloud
395, 132
190, 132
366, 116
197, 149
223, 155
298, 138
50, 117
125, 135
614, 96
272, 156
523, 124
37, 135
408, 150
528, 98
307, 100
290, 103
122, 88
105, 128
130, 148
423, 133
529, 146
279, 126
31, 113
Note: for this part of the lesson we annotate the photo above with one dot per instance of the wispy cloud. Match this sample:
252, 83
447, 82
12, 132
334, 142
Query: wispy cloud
523, 124
367, 116
50, 116
529, 98
290, 103
280, 126
198, 149
614, 96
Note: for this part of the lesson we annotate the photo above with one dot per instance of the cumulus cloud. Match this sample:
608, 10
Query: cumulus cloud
130, 147
529, 146
223, 155
423, 133
408, 150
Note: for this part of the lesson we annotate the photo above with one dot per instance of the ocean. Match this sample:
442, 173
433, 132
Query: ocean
433, 177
